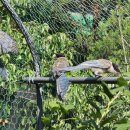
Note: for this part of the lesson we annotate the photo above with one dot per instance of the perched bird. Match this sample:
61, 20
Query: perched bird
62, 82
98, 67
7, 45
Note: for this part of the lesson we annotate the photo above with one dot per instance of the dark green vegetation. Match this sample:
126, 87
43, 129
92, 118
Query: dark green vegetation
99, 107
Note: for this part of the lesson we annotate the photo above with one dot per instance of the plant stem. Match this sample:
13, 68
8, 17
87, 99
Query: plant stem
108, 108
122, 40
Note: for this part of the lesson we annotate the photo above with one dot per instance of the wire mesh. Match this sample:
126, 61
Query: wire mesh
75, 26
81, 29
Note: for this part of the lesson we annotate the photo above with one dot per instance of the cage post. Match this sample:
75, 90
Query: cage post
39, 125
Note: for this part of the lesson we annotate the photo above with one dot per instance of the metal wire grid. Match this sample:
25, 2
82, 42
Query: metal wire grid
65, 25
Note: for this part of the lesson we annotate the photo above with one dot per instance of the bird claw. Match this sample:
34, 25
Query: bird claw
98, 76
32, 79
53, 77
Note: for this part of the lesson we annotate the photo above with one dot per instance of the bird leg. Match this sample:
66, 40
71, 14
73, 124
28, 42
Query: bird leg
97, 74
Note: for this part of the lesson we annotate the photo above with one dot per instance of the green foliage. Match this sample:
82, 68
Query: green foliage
109, 41
88, 107
122, 82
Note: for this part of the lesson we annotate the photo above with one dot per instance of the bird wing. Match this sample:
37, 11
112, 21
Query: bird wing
62, 84
7, 44
101, 63
106, 63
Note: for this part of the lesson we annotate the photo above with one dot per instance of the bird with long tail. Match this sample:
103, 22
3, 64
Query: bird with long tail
62, 83
98, 67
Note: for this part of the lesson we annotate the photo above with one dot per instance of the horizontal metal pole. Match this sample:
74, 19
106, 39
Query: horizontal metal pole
75, 80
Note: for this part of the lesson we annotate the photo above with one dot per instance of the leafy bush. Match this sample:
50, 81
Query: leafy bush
100, 107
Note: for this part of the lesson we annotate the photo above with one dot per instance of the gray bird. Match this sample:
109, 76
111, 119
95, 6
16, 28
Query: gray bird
62, 83
7, 45
98, 67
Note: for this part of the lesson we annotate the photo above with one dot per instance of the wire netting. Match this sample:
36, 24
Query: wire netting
81, 29
77, 28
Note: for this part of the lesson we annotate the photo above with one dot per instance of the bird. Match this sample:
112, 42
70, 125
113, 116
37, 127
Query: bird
7, 45
98, 67
62, 83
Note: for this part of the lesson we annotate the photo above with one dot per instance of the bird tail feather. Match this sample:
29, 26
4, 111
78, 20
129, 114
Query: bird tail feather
62, 84
84, 65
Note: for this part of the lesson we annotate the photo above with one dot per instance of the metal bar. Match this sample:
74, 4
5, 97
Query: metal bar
40, 110
74, 80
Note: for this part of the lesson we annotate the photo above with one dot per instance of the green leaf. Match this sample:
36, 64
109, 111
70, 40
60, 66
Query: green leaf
127, 93
71, 119
127, 74
69, 107
122, 121
96, 107
82, 127
90, 122
54, 105
54, 127
108, 120
122, 127
46, 121
121, 82
106, 90
117, 89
